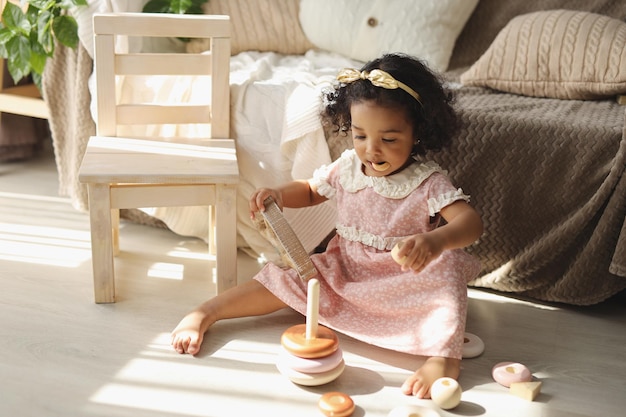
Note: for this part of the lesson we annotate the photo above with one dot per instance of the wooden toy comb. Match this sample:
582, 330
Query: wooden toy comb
277, 230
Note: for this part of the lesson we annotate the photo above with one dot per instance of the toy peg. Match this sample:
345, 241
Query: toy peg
312, 308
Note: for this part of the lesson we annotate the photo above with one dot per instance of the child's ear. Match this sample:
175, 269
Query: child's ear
418, 149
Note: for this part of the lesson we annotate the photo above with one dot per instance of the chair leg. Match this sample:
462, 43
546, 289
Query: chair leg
115, 231
101, 243
226, 237
211, 236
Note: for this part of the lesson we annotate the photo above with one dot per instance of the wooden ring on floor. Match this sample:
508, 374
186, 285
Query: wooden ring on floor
336, 404
295, 341
311, 380
312, 365
412, 411
472, 346
505, 373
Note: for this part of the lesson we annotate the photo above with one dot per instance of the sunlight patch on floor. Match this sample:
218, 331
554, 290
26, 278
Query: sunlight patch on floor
34, 197
38, 230
187, 254
489, 296
161, 380
44, 245
167, 270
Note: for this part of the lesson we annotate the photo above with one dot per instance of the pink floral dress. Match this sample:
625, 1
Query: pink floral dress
363, 291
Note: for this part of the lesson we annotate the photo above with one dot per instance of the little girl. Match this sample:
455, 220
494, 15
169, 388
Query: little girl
386, 194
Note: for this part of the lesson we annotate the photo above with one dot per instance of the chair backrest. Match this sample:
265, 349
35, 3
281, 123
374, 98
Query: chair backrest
110, 64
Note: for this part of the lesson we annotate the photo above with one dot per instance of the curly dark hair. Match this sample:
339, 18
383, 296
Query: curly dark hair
434, 120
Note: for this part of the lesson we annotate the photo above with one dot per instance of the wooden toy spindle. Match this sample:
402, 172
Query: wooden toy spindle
312, 308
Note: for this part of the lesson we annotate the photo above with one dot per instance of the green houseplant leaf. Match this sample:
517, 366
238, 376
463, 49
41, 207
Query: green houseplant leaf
66, 30
174, 6
27, 37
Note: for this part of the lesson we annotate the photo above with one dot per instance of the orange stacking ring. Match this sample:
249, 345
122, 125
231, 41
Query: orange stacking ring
295, 342
336, 404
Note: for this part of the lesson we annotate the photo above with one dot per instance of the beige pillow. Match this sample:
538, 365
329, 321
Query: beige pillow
259, 25
558, 53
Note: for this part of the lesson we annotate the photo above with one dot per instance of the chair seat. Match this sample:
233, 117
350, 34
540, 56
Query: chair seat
146, 161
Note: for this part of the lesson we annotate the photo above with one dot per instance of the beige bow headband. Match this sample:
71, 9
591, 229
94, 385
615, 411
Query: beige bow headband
377, 77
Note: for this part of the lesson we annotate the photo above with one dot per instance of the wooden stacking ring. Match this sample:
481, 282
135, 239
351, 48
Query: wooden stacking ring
412, 411
506, 373
310, 380
323, 344
313, 365
336, 404
472, 346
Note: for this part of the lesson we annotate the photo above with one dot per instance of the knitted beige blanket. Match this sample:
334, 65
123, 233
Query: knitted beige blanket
548, 177
66, 90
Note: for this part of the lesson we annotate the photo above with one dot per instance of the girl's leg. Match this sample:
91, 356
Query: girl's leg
434, 368
248, 299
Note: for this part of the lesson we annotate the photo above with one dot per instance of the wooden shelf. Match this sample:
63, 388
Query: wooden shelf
23, 99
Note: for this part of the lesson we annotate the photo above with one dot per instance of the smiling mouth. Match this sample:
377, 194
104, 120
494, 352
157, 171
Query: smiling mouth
380, 166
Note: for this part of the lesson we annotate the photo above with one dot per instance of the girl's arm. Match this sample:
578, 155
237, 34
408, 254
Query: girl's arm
463, 227
294, 194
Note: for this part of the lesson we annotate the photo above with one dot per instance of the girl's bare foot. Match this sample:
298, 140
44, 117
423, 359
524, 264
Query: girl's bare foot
434, 368
248, 299
187, 336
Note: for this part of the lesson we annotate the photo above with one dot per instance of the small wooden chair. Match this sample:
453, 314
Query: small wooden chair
135, 172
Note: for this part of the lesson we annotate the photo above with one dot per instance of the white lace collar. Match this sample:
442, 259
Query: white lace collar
397, 186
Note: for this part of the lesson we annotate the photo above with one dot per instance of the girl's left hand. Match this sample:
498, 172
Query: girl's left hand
258, 197
418, 251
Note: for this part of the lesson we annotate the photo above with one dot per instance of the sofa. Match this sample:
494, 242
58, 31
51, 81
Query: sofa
542, 149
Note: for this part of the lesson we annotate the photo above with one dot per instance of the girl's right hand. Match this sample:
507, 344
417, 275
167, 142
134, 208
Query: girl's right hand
259, 196
419, 250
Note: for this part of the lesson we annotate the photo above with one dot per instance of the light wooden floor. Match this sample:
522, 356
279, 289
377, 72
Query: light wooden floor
63, 355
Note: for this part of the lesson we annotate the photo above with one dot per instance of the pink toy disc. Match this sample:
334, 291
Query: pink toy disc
311, 366
505, 373
311, 380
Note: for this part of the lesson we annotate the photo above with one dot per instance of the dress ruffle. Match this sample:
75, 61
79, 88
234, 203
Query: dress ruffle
436, 204
358, 235
353, 179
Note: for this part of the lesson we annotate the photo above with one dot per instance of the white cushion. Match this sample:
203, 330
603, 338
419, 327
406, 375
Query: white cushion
365, 29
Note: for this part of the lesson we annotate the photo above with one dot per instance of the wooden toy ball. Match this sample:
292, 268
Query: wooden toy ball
446, 393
